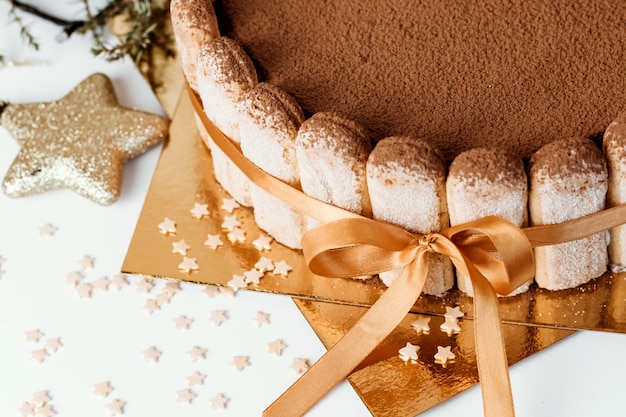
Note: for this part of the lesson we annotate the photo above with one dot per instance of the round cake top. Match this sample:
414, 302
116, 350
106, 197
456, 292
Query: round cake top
502, 74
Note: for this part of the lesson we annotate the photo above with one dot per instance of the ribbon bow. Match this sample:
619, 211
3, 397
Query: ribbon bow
493, 252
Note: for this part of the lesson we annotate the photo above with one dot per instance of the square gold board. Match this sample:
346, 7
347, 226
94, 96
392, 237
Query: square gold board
382, 379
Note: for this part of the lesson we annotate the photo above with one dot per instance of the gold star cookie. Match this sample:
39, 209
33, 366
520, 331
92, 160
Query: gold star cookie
79, 142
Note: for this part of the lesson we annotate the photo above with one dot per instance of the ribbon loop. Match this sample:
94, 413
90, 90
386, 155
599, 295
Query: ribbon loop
355, 247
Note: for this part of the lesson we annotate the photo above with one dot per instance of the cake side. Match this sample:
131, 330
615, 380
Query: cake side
560, 173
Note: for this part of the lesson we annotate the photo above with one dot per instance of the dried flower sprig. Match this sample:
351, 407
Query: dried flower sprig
142, 21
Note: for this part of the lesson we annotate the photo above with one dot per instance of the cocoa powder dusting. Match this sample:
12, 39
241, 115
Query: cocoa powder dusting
411, 154
223, 61
335, 132
615, 138
567, 157
493, 165
512, 75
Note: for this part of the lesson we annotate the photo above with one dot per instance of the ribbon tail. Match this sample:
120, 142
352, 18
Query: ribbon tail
373, 327
492, 363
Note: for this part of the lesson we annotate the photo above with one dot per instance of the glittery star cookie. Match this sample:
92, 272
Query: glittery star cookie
79, 142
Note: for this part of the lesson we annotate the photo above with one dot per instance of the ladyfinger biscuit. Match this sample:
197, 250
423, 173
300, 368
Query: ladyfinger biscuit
614, 146
270, 119
194, 23
225, 72
486, 182
406, 183
568, 180
332, 153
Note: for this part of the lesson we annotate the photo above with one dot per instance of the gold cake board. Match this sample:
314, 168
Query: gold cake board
184, 176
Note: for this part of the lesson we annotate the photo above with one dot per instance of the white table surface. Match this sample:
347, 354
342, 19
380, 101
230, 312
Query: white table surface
103, 336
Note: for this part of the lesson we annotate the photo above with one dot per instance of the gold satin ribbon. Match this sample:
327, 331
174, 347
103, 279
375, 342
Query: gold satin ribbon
494, 253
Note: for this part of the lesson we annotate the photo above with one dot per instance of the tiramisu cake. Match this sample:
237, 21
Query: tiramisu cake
422, 113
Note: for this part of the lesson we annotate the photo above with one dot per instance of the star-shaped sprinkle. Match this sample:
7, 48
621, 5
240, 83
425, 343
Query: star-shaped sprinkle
196, 353
219, 402
276, 347
40, 398
116, 407
230, 223
46, 410
421, 324
227, 292
264, 264
199, 210
185, 396
33, 336
180, 247
454, 313
27, 409
195, 379
262, 242
450, 326
253, 276
164, 297
188, 265
151, 354
73, 278
229, 204
167, 227
261, 318
80, 142
53, 344
83, 290
182, 322
282, 268
237, 235
211, 291
237, 282
47, 230
444, 355
101, 283
172, 287
39, 355
144, 285
118, 282
299, 365
213, 241
102, 389
86, 262
240, 362
218, 317
151, 306
409, 352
